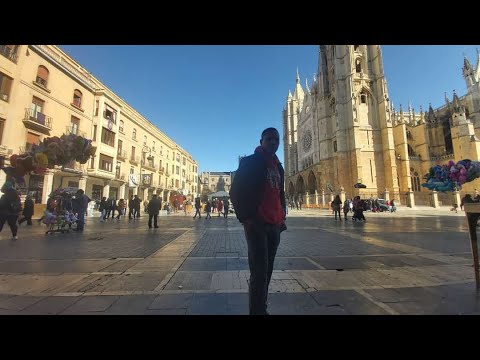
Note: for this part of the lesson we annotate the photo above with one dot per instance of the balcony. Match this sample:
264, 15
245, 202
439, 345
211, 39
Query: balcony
134, 160
8, 53
161, 170
73, 167
119, 176
121, 155
150, 165
74, 130
37, 121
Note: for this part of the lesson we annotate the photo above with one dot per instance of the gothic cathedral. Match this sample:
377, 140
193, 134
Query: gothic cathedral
343, 131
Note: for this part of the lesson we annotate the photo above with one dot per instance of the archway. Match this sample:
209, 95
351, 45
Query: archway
300, 187
291, 190
312, 183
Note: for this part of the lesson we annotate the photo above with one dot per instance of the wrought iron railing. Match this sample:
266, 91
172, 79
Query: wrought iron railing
75, 131
121, 154
38, 117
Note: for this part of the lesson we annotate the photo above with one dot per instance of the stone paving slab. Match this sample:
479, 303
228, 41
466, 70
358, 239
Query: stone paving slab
420, 265
90, 304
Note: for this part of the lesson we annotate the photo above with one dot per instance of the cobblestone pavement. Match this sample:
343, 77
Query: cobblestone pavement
411, 262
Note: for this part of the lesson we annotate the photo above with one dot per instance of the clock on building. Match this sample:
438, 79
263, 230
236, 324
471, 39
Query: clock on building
307, 140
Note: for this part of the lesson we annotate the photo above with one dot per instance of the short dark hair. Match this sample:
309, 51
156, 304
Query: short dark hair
269, 129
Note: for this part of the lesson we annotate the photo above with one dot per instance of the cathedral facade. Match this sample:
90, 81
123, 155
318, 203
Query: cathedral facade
342, 134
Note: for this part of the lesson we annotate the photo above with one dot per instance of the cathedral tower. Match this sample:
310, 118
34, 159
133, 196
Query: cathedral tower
355, 130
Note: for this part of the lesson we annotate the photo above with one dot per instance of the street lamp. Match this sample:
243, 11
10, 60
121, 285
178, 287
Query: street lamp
149, 150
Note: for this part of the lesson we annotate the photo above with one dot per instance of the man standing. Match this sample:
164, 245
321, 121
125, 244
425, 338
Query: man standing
80, 206
154, 207
258, 197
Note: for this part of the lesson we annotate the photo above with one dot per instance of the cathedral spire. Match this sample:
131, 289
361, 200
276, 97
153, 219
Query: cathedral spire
298, 93
289, 95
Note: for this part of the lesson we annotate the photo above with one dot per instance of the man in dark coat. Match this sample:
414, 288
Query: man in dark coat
154, 207
27, 211
257, 194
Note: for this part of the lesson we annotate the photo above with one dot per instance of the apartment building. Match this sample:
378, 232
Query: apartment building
44, 93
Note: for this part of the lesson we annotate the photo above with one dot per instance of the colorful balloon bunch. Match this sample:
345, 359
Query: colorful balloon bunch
50, 152
451, 177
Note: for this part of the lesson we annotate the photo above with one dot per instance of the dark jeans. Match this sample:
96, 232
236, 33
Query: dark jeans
28, 219
155, 217
81, 220
12, 222
262, 240
197, 211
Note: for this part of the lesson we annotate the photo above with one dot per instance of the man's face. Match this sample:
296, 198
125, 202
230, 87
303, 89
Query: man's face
270, 141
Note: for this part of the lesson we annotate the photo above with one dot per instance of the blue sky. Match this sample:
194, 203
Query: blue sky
215, 100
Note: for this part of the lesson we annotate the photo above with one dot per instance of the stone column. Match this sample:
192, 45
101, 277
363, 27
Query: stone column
307, 199
435, 199
456, 198
323, 198
82, 183
168, 196
106, 190
316, 197
47, 186
387, 195
410, 199
145, 194
122, 191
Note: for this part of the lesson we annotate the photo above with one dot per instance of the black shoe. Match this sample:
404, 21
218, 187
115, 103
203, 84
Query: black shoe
156, 227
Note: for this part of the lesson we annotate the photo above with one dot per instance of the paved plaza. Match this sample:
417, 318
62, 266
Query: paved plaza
410, 262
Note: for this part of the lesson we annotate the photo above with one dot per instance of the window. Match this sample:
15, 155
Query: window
77, 98
183, 172
160, 164
108, 137
178, 170
173, 169
36, 109
144, 139
106, 163
335, 145
153, 146
42, 76
184, 161
110, 114
161, 150
132, 171
74, 124
133, 153
178, 157
363, 97
166, 167
97, 105
5, 86
32, 139
358, 66
134, 134
2, 126
167, 155
213, 187
120, 146
117, 169
120, 126
177, 183
9, 51
94, 132
415, 180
